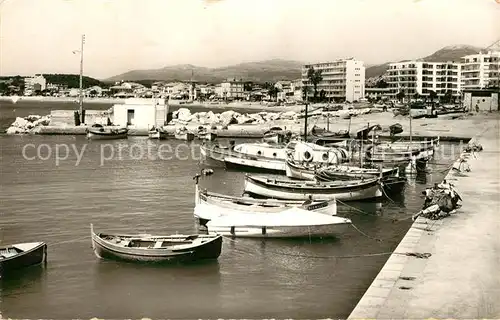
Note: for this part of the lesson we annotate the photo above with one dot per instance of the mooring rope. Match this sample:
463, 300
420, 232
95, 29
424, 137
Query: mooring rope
68, 241
364, 234
317, 256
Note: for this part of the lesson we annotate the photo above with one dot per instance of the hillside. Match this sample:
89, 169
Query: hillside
262, 71
450, 53
73, 80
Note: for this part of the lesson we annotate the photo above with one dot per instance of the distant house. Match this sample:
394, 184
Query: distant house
35, 83
481, 100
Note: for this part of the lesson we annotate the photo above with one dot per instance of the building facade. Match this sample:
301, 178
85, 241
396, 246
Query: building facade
343, 80
141, 114
36, 83
421, 78
481, 70
232, 89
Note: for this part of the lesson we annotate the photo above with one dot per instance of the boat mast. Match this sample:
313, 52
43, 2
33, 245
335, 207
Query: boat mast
305, 121
81, 80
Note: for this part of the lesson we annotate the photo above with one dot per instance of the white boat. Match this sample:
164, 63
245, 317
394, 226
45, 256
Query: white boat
209, 205
334, 172
272, 157
294, 222
301, 190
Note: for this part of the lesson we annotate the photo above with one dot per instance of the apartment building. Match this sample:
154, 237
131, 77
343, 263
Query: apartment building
36, 83
420, 77
232, 89
343, 79
481, 70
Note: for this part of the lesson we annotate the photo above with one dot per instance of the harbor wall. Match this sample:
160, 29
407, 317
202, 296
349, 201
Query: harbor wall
458, 276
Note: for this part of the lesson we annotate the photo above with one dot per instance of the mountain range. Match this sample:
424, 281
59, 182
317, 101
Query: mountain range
269, 70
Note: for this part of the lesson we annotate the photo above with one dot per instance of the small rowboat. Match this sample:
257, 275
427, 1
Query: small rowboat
157, 249
17, 256
157, 133
184, 134
99, 132
291, 223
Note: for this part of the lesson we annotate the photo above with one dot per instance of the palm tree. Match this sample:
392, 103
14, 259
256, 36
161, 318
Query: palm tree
400, 96
315, 78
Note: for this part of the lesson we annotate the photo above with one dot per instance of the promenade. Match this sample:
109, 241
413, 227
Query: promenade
460, 279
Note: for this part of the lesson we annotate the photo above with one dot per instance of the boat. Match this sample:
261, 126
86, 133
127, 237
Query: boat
277, 135
303, 171
17, 256
204, 134
291, 223
184, 134
157, 133
272, 157
99, 132
393, 184
156, 249
209, 205
302, 190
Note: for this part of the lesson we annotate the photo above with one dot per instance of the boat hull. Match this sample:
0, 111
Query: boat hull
157, 135
210, 136
188, 136
32, 257
209, 250
107, 135
280, 232
359, 192
245, 164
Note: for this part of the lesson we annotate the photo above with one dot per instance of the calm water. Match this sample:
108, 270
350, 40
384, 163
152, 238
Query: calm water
55, 203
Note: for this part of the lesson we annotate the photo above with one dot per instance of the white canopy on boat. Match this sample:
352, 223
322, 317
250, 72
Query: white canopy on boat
293, 217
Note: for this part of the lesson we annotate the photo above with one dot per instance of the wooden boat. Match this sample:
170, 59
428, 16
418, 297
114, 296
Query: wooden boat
291, 223
277, 136
184, 134
209, 205
158, 249
17, 256
205, 134
157, 133
272, 157
393, 184
99, 132
303, 171
303, 190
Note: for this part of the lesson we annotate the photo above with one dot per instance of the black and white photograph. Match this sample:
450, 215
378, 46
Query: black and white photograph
249, 159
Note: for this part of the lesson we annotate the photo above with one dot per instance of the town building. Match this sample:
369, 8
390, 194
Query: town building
377, 93
285, 91
296, 88
475, 100
35, 83
343, 79
140, 114
232, 89
420, 78
481, 70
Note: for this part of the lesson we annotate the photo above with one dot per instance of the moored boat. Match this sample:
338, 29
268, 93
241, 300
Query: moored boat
17, 256
209, 205
207, 135
99, 132
303, 171
157, 133
302, 190
157, 249
184, 134
291, 223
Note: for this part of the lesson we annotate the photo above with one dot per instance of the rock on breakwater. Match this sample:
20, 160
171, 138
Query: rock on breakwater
28, 124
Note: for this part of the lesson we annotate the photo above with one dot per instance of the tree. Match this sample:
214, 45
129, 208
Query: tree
322, 95
314, 77
416, 96
432, 95
448, 96
381, 84
400, 96
273, 92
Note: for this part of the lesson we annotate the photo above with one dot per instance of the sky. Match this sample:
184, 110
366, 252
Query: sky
39, 36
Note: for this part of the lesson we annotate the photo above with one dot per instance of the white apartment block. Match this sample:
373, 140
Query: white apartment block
343, 79
38, 82
481, 70
412, 77
232, 89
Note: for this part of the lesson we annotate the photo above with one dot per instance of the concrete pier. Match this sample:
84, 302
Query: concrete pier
461, 278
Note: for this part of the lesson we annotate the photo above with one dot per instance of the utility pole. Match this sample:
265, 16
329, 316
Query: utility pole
81, 80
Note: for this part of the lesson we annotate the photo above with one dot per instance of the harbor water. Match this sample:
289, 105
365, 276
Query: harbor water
142, 186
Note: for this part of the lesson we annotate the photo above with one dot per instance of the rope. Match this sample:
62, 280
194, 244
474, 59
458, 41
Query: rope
321, 257
383, 191
68, 241
364, 234
345, 204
